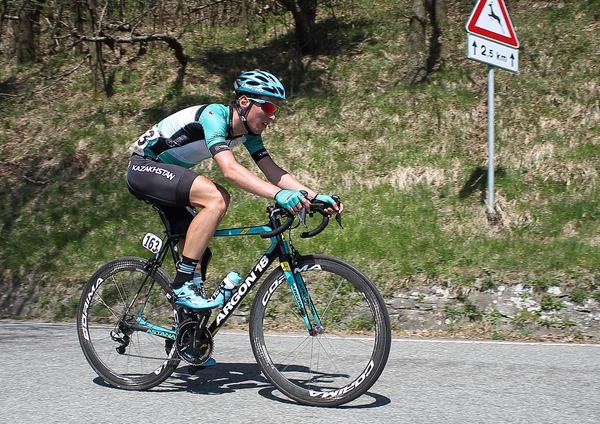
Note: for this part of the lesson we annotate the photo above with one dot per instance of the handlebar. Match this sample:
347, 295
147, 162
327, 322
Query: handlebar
317, 206
277, 212
274, 214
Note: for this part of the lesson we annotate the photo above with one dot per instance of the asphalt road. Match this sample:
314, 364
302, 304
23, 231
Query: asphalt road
44, 378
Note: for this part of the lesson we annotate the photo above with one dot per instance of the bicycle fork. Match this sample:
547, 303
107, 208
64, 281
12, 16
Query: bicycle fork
303, 300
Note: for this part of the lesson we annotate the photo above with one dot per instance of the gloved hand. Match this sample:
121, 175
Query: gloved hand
334, 201
289, 198
326, 198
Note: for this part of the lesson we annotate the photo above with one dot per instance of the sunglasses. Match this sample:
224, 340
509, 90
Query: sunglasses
268, 107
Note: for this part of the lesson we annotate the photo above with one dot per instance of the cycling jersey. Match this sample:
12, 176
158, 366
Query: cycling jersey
193, 135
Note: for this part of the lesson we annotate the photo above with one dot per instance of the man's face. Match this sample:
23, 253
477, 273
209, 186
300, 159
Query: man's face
262, 112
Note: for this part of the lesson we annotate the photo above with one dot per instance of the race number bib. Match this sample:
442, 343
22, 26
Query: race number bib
152, 242
140, 144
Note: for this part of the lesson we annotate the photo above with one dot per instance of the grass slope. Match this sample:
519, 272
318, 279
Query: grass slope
409, 162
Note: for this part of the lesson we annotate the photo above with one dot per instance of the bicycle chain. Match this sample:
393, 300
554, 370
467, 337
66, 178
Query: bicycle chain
176, 358
150, 357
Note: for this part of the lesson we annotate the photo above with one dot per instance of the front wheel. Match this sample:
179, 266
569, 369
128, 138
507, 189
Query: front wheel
343, 357
125, 324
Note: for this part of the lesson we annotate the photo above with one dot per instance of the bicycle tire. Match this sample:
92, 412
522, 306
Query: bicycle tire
144, 362
343, 362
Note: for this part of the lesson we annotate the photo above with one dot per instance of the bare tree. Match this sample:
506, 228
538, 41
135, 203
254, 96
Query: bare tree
111, 41
438, 18
304, 13
96, 62
3, 10
26, 31
417, 44
97, 28
79, 13
421, 58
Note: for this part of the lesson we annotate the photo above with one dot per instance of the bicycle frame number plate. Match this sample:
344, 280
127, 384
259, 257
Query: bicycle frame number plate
152, 242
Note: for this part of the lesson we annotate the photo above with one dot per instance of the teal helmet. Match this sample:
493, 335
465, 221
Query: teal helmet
260, 83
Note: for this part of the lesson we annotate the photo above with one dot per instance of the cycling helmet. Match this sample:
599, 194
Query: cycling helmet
260, 83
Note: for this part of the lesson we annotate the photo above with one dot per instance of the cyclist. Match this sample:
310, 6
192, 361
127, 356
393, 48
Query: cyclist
159, 171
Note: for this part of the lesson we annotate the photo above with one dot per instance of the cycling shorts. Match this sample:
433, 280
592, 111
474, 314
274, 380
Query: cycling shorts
163, 184
160, 183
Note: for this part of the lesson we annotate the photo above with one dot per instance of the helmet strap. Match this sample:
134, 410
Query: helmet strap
242, 115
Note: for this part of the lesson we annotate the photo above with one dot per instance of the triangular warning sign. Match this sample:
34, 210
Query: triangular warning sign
490, 20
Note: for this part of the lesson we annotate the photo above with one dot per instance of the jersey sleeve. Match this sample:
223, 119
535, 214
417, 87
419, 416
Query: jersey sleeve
214, 119
255, 147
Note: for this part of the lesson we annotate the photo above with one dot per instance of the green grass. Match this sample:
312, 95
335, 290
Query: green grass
409, 162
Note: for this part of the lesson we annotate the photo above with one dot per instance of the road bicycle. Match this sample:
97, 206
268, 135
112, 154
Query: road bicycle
319, 328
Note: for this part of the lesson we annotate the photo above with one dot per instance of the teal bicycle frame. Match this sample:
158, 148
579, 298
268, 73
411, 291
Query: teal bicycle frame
279, 249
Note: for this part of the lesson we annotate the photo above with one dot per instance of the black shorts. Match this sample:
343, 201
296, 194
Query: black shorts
165, 185
160, 183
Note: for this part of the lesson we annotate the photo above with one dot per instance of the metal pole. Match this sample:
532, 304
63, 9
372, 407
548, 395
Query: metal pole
490, 195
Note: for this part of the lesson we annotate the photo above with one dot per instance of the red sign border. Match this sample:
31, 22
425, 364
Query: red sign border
471, 26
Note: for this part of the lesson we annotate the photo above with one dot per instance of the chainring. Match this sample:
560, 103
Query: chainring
193, 350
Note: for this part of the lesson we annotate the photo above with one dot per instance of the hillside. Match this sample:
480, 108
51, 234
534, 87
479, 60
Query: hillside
409, 162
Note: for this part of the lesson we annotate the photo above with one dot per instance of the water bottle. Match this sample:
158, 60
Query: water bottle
227, 287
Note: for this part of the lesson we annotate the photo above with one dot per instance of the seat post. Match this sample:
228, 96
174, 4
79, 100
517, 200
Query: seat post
163, 218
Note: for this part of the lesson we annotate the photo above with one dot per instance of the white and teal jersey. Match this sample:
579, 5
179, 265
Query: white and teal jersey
193, 135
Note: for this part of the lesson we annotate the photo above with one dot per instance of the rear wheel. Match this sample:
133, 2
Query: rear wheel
341, 361
122, 317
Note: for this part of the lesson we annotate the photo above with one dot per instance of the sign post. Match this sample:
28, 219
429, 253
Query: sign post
491, 39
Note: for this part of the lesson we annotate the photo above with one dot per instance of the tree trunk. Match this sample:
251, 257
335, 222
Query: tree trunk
437, 11
3, 10
96, 61
422, 60
80, 12
304, 13
245, 22
26, 32
417, 44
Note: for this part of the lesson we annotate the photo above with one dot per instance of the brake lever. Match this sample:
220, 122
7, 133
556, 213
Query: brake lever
338, 219
302, 216
338, 216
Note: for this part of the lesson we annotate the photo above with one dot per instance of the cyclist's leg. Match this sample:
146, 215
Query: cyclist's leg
166, 185
176, 186
173, 185
214, 201
179, 220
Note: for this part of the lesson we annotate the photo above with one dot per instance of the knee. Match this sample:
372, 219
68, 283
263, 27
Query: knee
217, 200
221, 202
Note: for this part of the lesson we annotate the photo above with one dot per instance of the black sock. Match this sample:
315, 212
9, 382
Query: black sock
185, 271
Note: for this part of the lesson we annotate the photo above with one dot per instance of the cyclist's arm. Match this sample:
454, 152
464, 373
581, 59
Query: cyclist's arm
274, 173
242, 177
284, 180
281, 178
